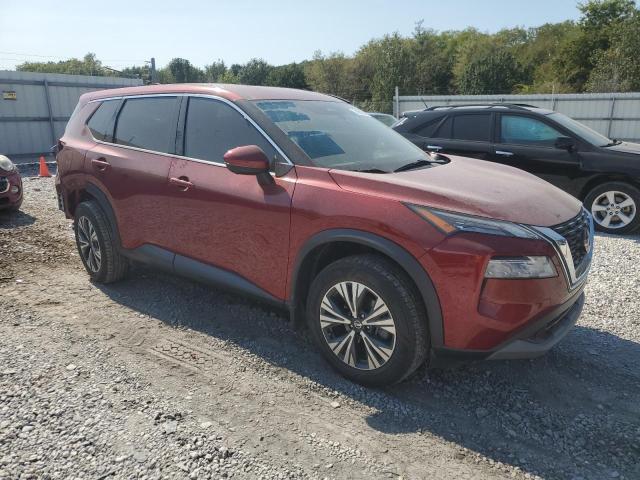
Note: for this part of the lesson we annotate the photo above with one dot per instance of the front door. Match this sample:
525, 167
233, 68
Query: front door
528, 143
222, 219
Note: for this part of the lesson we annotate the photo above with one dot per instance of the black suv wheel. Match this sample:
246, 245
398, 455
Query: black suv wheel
96, 245
368, 320
614, 206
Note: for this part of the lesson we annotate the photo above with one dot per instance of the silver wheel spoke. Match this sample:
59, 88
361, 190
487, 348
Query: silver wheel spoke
611, 197
627, 203
606, 221
357, 325
624, 218
598, 208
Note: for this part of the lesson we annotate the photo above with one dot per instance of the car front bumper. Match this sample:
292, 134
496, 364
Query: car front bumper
9, 198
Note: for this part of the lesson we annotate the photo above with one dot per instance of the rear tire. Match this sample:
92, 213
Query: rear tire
614, 206
373, 349
96, 245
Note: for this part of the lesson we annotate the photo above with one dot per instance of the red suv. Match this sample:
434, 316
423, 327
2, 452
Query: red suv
392, 256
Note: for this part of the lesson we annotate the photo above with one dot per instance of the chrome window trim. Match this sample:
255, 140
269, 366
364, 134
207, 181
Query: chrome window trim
197, 95
559, 243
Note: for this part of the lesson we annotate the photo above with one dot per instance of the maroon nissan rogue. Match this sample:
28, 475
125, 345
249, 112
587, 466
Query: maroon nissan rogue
393, 257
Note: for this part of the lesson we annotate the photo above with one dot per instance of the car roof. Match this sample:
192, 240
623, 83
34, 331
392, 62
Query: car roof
479, 108
231, 92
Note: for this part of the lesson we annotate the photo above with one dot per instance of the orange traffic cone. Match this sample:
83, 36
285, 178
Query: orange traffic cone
44, 170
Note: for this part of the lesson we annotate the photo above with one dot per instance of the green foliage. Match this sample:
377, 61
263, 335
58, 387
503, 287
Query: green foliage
599, 52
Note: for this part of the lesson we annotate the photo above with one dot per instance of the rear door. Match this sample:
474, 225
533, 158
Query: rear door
465, 134
527, 142
228, 221
131, 165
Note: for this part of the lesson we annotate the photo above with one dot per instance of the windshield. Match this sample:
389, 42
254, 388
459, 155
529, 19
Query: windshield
338, 135
591, 136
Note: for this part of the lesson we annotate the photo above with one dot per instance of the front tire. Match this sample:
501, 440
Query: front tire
368, 320
614, 206
96, 245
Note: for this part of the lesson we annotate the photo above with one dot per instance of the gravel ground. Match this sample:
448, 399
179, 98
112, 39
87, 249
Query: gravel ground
160, 377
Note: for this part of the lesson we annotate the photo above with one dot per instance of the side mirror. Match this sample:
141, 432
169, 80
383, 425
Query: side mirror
247, 160
565, 143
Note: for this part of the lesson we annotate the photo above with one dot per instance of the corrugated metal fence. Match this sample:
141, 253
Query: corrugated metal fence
615, 115
35, 108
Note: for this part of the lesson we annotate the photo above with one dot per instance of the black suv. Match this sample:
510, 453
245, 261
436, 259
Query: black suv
603, 173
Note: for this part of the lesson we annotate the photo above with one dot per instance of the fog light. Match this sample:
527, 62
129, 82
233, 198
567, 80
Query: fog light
15, 189
521, 267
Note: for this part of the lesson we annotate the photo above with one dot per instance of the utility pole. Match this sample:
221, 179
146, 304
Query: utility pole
154, 77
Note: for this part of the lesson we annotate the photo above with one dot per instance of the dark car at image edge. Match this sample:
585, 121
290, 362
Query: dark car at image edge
391, 256
603, 173
10, 186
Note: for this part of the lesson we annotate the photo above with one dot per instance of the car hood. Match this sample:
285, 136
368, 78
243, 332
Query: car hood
625, 147
470, 186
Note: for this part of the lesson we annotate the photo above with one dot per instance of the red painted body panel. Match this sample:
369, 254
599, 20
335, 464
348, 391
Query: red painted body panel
233, 221
13, 199
256, 229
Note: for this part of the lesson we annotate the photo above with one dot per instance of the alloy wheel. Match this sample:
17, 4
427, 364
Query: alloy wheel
613, 210
357, 325
89, 245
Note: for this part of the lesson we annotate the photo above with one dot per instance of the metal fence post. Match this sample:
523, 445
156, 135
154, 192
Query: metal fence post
613, 106
397, 103
48, 97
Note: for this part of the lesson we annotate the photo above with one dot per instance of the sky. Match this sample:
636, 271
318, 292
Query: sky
123, 33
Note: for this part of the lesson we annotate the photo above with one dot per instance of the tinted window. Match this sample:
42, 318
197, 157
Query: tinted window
214, 127
428, 130
147, 123
472, 127
445, 129
101, 122
526, 130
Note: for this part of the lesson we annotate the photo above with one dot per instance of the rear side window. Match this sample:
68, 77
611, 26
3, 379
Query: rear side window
213, 127
101, 122
428, 130
472, 127
147, 123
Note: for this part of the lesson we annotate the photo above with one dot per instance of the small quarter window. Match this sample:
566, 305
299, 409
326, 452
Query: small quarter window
101, 122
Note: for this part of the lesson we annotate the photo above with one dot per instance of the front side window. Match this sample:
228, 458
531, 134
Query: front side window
338, 135
476, 127
213, 127
147, 123
101, 122
521, 130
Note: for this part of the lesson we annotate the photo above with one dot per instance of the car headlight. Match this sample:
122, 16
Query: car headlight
6, 164
520, 267
450, 222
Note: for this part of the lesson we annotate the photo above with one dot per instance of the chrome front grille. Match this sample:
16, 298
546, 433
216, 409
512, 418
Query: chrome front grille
573, 240
576, 233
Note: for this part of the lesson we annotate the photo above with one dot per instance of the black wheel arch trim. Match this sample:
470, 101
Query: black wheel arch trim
402, 257
106, 207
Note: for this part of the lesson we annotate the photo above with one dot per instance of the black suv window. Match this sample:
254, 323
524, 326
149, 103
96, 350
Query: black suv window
523, 130
101, 122
147, 123
428, 129
475, 127
213, 128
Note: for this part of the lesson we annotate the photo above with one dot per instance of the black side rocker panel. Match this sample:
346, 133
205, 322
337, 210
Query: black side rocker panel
392, 250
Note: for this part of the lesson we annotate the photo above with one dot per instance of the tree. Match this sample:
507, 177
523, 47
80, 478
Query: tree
180, 70
290, 76
254, 72
494, 71
330, 74
89, 65
215, 72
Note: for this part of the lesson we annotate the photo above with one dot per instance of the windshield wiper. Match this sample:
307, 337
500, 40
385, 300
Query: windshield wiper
370, 170
412, 165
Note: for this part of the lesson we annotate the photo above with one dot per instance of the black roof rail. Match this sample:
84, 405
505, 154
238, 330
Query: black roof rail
520, 106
